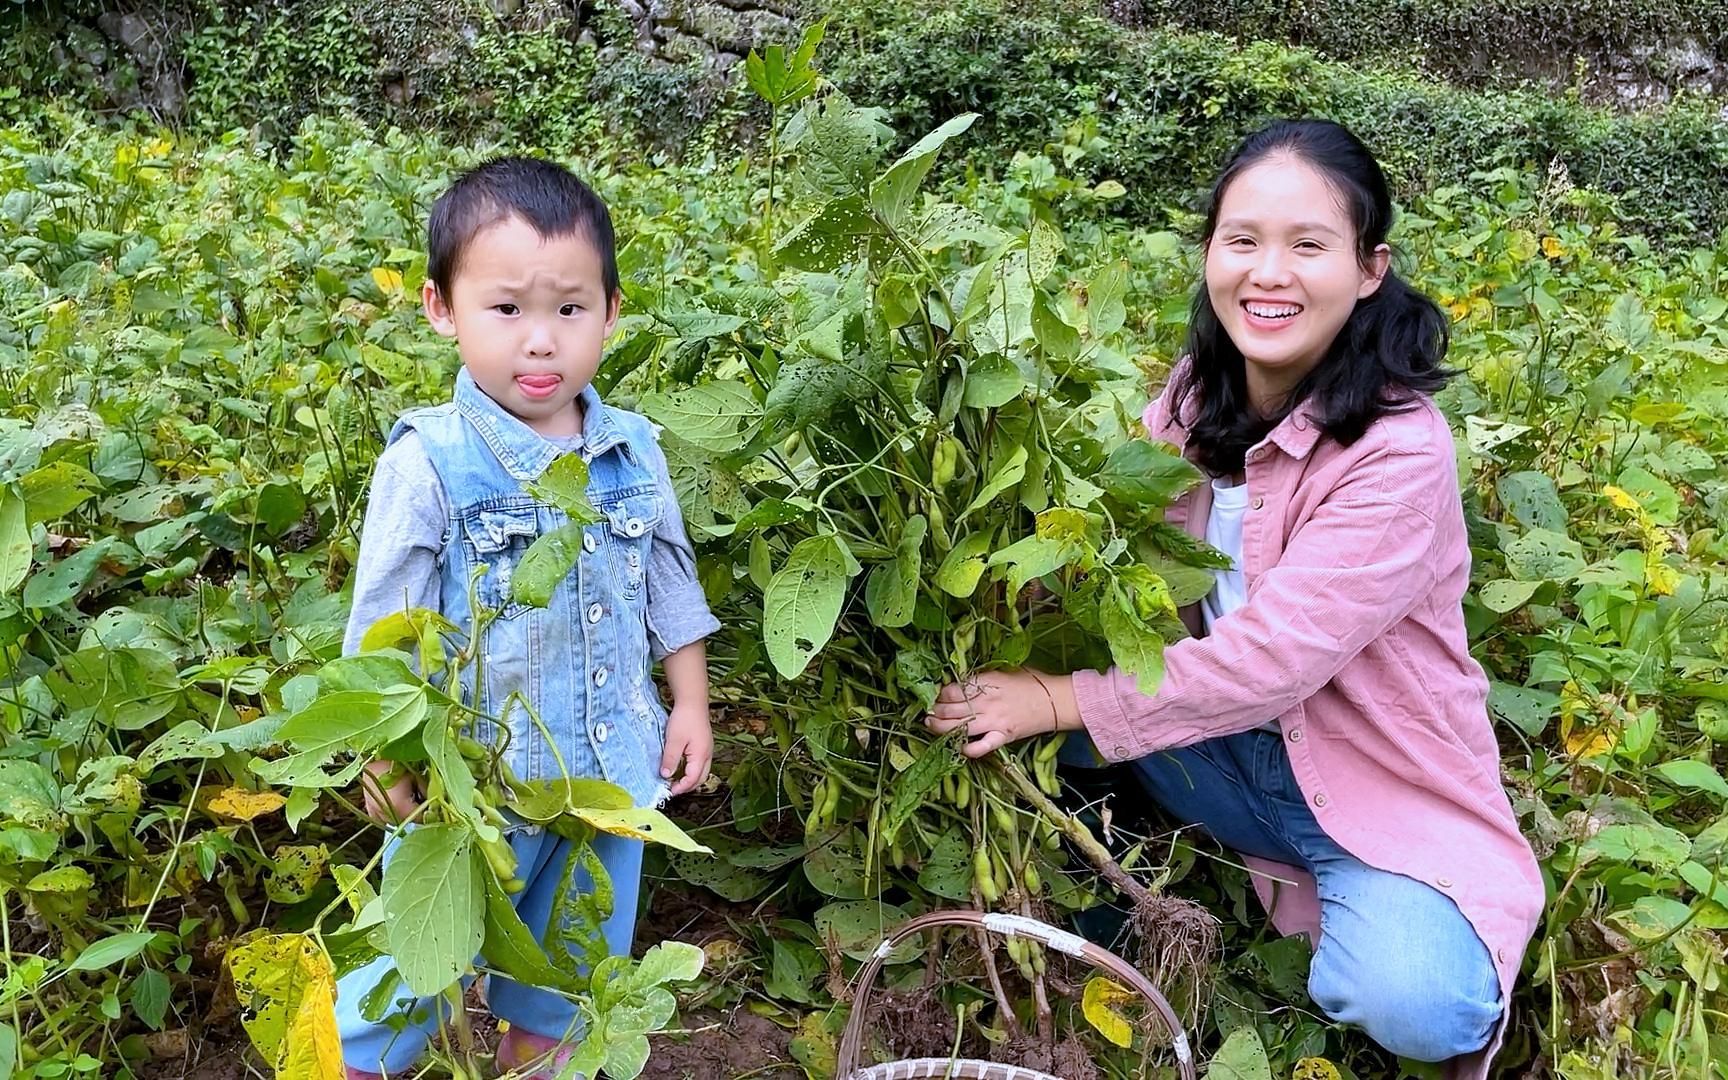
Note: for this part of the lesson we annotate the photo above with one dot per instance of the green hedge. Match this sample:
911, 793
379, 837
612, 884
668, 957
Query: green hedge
1467, 40
1170, 105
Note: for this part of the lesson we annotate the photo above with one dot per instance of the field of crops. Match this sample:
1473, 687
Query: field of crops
892, 397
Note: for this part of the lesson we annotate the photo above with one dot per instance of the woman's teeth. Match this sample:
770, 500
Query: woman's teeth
1272, 311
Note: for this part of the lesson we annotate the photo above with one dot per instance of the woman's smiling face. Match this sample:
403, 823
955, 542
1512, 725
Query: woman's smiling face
1282, 271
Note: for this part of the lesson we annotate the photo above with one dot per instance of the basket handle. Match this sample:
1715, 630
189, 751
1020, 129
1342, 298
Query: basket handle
852, 1039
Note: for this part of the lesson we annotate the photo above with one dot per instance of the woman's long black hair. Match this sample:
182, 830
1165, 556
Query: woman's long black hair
1391, 348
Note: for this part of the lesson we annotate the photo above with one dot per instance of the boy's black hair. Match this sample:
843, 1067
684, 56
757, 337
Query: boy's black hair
545, 195
1393, 345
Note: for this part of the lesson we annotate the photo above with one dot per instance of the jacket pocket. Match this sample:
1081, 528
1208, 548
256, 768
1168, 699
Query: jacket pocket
498, 539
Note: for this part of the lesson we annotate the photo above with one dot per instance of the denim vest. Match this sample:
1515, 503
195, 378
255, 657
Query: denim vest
583, 662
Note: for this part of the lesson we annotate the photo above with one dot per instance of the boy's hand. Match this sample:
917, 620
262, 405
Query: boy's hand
689, 739
392, 804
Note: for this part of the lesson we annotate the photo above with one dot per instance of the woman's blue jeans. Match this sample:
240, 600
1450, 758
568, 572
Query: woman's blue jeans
1396, 957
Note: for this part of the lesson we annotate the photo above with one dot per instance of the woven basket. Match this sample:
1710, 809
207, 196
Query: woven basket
852, 1040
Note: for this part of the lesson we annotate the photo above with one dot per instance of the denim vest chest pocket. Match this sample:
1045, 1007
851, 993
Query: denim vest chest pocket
496, 538
632, 515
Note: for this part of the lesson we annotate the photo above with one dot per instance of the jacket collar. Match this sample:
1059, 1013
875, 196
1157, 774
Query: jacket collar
524, 452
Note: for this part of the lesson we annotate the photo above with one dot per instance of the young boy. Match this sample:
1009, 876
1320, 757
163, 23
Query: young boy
521, 273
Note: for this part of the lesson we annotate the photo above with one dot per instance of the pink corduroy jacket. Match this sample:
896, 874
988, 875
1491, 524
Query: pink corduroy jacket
1353, 640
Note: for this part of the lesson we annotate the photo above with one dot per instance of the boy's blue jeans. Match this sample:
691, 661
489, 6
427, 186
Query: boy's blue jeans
1396, 957
540, 856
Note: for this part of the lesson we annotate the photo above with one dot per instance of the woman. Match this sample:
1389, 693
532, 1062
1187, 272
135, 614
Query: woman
1326, 720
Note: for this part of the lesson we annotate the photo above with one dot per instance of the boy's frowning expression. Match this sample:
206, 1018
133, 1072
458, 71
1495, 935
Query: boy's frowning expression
530, 316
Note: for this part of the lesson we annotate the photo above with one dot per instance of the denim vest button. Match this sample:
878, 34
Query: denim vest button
633, 527
599, 676
599, 732
594, 612
588, 544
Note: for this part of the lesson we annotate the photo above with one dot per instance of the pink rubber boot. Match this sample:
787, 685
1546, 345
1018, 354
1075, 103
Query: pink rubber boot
361, 1074
518, 1048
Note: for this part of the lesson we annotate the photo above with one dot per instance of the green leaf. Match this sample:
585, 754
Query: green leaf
803, 602
1655, 846
1628, 323
1242, 1057
1527, 709
891, 593
433, 907
992, 381
963, 567
713, 416
1693, 776
723, 878
1656, 495
1043, 245
626, 1057
15, 547
1531, 499
936, 762
1543, 555
1059, 340
111, 950
150, 995
125, 689
62, 581
1033, 557
564, 484
811, 389
1505, 595
858, 926
1104, 299
948, 870
1007, 473
29, 795
545, 565
1651, 917
667, 962
55, 490
894, 193
1144, 473
1135, 647
828, 238
354, 721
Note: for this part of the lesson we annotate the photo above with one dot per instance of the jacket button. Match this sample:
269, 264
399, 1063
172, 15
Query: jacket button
599, 676
588, 543
1120, 752
1320, 800
600, 732
1258, 502
633, 527
1444, 883
1295, 734
594, 612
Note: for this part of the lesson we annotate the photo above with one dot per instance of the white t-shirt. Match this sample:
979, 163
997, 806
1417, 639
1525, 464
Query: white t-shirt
1224, 532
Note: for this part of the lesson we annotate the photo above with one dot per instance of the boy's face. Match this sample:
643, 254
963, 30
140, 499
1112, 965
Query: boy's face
530, 316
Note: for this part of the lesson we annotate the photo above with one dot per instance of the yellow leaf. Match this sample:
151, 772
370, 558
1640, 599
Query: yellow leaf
1661, 577
1315, 1068
243, 805
1589, 742
1554, 249
1098, 1004
314, 1050
389, 281
275, 975
1459, 309
1620, 498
